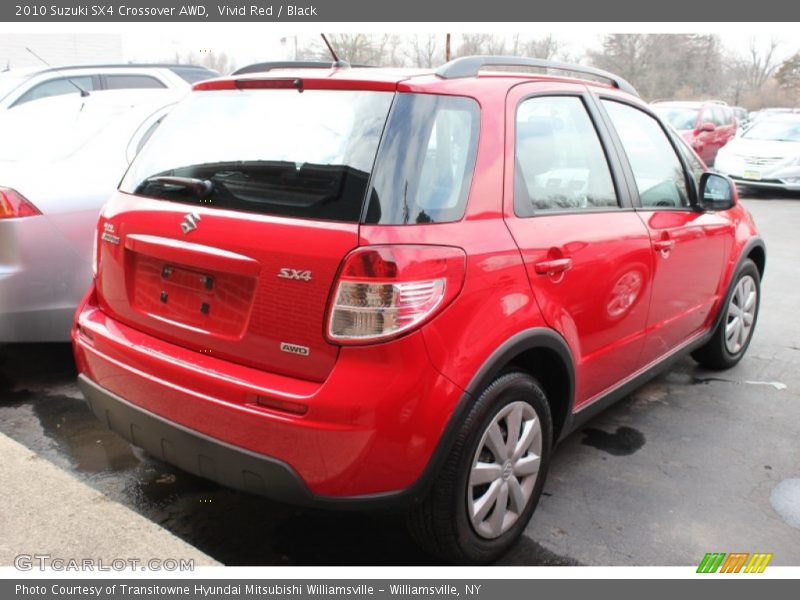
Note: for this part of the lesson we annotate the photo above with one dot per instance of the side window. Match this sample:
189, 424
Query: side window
728, 116
56, 87
423, 171
129, 82
559, 162
695, 165
659, 173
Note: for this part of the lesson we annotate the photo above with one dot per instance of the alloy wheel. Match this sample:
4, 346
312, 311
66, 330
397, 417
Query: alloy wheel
741, 314
504, 470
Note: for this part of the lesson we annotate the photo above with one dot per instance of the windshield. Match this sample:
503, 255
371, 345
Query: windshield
278, 152
776, 130
680, 118
8, 83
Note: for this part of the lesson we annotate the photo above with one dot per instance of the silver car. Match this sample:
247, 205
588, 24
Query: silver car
60, 159
28, 84
767, 155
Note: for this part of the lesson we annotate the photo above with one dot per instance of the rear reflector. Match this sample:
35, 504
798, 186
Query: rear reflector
14, 205
385, 291
295, 408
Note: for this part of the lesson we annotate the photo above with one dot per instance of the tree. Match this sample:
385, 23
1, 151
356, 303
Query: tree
660, 66
788, 74
356, 48
425, 51
482, 43
473, 44
547, 47
761, 61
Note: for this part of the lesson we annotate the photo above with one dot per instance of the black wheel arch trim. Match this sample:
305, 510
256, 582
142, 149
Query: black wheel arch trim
749, 246
528, 339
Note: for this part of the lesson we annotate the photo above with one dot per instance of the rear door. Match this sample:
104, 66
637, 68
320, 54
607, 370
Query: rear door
232, 222
689, 246
586, 252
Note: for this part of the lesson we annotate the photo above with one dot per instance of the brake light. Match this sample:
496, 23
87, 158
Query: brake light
14, 205
385, 291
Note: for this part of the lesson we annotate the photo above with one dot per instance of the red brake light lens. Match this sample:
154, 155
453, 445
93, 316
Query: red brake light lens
385, 291
14, 205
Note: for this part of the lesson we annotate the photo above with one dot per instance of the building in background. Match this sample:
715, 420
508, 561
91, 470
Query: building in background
59, 49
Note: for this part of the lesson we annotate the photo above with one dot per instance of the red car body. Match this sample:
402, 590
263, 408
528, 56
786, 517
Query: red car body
592, 302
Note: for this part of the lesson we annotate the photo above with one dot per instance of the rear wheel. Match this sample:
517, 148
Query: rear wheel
492, 479
735, 330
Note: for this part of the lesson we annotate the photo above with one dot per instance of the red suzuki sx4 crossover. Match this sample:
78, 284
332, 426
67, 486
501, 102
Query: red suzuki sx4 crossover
367, 288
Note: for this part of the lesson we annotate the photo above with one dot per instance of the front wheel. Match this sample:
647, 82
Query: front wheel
493, 477
735, 330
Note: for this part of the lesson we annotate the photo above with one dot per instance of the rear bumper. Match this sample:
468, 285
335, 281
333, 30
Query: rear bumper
194, 452
371, 434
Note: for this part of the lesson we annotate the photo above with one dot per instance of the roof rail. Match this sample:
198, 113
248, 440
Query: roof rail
292, 64
469, 66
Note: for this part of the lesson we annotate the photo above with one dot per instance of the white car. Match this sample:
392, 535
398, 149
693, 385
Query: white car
767, 155
60, 159
20, 86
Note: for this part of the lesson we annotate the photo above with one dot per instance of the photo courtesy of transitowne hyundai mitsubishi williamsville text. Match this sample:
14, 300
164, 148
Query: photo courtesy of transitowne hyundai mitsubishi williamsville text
226, 591
358, 287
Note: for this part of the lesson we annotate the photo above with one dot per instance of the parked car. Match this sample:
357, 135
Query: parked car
767, 155
20, 86
60, 158
707, 126
364, 288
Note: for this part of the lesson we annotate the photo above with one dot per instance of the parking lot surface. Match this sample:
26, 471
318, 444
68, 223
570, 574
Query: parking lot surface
694, 462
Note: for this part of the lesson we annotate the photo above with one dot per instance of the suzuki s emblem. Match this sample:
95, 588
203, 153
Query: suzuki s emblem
190, 222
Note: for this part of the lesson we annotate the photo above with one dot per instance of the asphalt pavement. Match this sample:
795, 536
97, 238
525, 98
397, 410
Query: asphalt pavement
694, 462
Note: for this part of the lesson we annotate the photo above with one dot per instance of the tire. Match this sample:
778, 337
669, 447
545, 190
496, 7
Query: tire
721, 352
443, 523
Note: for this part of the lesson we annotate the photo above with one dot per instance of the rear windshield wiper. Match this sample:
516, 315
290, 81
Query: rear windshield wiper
202, 188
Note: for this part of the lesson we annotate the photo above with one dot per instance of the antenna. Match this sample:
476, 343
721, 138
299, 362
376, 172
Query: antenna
337, 62
83, 92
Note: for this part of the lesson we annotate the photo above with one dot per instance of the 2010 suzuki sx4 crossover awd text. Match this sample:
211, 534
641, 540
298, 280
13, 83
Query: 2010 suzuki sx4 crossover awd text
371, 288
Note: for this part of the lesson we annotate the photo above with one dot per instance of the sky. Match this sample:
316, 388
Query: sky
254, 42
247, 44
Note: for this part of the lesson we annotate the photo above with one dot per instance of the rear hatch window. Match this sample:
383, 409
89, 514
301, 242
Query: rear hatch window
278, 152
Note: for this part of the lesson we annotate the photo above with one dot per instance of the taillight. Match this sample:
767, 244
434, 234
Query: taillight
14, 205
384, 291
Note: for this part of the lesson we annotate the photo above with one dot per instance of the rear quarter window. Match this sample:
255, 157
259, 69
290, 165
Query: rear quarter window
425, 162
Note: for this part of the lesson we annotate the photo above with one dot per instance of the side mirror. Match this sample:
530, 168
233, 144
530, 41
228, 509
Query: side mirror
717, 192
708, 126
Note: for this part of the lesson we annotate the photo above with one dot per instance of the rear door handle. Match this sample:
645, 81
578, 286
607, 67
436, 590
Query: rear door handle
663, 245
551, 267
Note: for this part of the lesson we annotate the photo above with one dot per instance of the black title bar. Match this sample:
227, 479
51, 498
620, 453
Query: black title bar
453, 11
